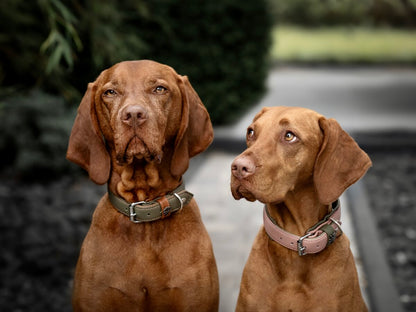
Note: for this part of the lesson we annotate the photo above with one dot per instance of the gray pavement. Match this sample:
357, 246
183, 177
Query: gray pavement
360, 99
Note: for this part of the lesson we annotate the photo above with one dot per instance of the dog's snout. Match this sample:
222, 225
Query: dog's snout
243, 167
134, 115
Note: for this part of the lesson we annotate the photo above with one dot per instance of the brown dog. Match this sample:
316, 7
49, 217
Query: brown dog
147, 248
298, 163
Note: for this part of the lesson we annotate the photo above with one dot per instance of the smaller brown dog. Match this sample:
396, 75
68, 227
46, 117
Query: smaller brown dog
298, 163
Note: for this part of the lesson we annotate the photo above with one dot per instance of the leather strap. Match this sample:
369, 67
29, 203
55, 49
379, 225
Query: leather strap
316, 239
147, 211
164, 207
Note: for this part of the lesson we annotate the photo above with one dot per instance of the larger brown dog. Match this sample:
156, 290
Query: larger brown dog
298, 163
137, 126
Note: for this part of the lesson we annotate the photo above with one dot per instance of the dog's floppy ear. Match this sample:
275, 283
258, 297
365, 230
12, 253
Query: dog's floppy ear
86, 146
340, 162
195, 131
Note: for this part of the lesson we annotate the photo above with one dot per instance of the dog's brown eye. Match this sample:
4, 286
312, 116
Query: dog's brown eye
110, 92
290, 137
160, 89
250, 133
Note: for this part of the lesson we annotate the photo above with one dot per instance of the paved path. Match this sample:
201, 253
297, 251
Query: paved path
369, 100
360, 99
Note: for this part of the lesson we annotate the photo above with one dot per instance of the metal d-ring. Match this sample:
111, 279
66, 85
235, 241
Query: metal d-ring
337, 224
180, 200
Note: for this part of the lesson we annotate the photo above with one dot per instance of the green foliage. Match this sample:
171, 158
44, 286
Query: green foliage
222, 46
110, 33
320, 12
344, 45
21, 35
58, 46
62, 33
345, 12
34, 131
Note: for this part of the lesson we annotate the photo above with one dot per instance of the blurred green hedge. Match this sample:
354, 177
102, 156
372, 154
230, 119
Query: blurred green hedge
58, 46
223, 46
394, 13
34, 129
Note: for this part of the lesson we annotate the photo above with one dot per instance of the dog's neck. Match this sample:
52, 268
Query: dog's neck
141, 180
299, 211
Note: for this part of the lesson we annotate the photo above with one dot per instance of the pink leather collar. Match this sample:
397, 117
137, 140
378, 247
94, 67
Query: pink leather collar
315, 239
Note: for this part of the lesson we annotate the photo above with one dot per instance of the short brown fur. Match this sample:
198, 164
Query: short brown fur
297, 180
137, 126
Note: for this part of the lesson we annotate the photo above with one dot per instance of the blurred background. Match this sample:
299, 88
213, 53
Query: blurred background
233, 52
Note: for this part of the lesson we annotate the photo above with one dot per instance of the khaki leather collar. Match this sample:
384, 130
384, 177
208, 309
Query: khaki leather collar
316, 239
147, 211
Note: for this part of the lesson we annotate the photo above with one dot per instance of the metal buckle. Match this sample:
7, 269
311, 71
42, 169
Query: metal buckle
133, 213
301, 248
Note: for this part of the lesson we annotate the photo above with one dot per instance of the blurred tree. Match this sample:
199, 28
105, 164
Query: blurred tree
319, 12
110, 34
62, 36
57, 46
394, 13
61, 44
21, 35
34, 129
345, 12
222, 46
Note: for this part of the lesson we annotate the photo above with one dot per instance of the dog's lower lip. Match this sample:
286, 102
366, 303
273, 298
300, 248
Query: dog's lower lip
236, 194
139, 152
243, 192
154, 157
124, 156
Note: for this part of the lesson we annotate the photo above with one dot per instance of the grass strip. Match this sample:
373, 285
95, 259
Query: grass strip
343, 45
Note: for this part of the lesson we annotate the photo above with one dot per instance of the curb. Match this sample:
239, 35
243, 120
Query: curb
230, 145
369, 141
372, 141
382, 292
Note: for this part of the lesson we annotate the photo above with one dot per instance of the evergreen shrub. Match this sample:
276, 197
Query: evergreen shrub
57, 46
223, 46
34, 129
369, 13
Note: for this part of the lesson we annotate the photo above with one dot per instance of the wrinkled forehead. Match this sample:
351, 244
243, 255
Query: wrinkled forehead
293, 117
134, 72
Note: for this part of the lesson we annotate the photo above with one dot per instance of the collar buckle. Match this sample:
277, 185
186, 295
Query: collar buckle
132, 212
153, 210
301, 248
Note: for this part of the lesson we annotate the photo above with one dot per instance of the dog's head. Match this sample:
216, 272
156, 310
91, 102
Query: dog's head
289, 148
138, 110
